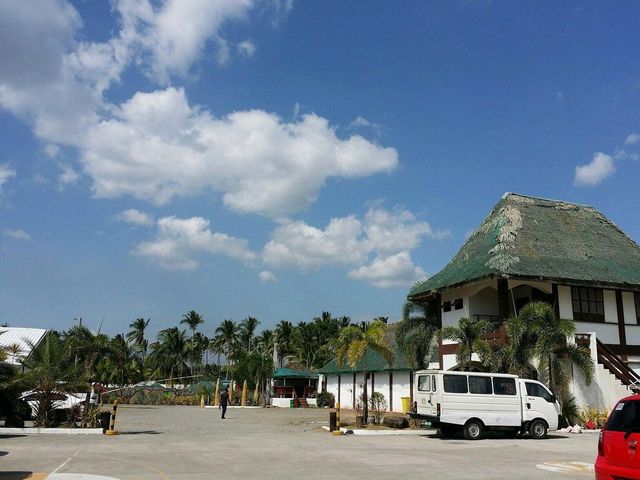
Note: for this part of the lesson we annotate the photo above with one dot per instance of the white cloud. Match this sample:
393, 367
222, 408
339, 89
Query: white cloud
16, 234
393, 271
361, 122
632, 139
382, 239
6, 173
68, 176
136, 217
246, 48
178, 240
51, 150
166, 46
157, 146
267, 277
593, 173
298, 245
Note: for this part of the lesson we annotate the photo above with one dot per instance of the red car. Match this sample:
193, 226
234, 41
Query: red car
618, 445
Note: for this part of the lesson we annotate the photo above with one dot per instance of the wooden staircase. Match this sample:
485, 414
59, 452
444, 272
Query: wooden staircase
302, 403
613, 363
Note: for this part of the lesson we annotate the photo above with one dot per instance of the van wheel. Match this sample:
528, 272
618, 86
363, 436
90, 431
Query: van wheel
473, 430
447, 431
538, 429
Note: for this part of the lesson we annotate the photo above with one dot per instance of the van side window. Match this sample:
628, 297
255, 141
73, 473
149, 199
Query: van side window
504, 386
455, 383
424, 383
536, 390
433, 384
480, 385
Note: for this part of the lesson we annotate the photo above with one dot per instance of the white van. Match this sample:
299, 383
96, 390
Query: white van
474, 402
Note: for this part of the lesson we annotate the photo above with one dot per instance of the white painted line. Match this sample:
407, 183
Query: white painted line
48, 431
78, 476
64, 463
567, 467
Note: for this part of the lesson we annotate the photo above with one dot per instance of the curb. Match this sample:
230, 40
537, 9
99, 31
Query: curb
50, 431
231, 406
372, 433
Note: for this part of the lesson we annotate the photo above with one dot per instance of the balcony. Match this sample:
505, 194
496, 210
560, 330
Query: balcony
498, 336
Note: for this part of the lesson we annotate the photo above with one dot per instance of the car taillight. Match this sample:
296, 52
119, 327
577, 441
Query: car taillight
415, 407
601, 443
438, 409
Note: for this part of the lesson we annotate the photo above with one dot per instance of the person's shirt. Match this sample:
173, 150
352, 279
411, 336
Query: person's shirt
224, 398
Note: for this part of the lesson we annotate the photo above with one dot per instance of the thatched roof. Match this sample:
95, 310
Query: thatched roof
534, 238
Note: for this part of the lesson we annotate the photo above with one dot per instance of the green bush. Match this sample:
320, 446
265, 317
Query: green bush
325, 399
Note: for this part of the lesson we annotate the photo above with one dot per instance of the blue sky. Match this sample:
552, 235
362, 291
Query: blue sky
280, 158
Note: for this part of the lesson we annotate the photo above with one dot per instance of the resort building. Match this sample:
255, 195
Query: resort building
568, 255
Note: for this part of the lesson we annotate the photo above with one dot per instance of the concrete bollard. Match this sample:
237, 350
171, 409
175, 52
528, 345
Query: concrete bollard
112, 427
336, 430
332, 421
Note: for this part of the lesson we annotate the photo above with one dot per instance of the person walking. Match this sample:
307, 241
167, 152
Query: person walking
224, 399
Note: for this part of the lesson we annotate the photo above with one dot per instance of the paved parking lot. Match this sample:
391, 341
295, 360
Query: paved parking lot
193, 443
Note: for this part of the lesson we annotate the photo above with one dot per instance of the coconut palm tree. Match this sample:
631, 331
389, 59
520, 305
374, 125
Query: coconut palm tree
247, 330
192, 319
284, 334
170, 352
216, 346
416, 332
354, 345
136, 337
228, 330
265, 342
48, 373
468, 336
554, 353
306, 344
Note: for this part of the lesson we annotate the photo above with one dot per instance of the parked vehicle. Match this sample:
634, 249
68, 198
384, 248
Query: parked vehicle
63, 401
474, 402
618, 455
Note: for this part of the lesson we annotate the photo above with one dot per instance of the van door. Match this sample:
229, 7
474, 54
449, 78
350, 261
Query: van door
538, 402
425, 390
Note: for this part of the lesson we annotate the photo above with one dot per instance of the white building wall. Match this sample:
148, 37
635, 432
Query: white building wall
607, 333
381, 384
564, 302
346, 391
629, 308
400, 389
610, 307
633, 334
332, 385
605, 389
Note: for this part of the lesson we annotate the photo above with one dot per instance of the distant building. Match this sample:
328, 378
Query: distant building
19, 342
393, 381
566, 254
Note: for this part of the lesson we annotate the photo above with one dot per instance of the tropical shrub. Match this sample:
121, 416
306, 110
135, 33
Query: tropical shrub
378, 405
325, 399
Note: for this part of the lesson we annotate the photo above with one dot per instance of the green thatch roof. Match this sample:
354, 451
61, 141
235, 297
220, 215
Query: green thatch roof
284, 372
527, 237
373, 361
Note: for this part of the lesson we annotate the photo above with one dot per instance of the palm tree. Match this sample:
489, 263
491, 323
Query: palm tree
228, 330
416, 332
216, 346
192, 319
306, 344
121, 362
265, 342
354, 345
170, 352
48, 373
136, 336
468, 335
284, 334
247, 331
554, 354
